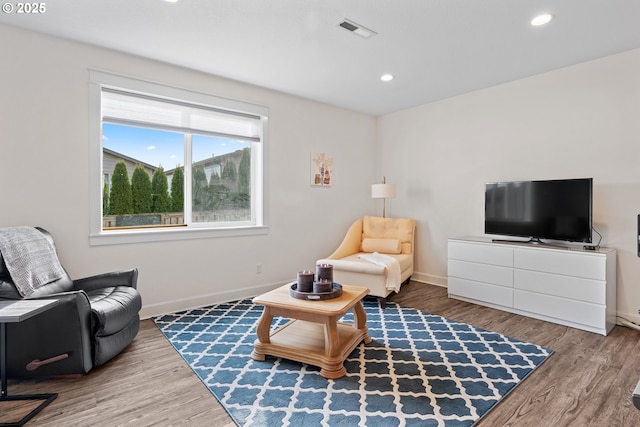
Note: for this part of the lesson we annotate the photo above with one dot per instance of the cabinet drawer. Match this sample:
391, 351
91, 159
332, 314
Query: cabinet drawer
585, 313
558, 262
493, 294
482, 253
577, 288
492, 274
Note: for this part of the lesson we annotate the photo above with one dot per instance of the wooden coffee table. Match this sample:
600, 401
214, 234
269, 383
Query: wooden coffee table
314, 336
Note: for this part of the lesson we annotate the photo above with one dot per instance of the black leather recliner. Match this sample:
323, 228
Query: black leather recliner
94, 320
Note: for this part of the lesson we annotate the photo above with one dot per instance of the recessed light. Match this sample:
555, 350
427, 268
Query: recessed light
541, 19
386, 77
171, 1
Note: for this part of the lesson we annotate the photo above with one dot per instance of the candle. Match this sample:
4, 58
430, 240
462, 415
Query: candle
305, 281
322, 286
324, 273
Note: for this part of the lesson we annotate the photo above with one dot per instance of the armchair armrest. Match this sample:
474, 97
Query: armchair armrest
73, 305
61, 333
106, 280
351, 242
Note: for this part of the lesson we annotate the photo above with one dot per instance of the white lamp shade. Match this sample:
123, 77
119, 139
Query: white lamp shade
383, 191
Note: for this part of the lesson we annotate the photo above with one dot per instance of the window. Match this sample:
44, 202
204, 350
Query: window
168, 163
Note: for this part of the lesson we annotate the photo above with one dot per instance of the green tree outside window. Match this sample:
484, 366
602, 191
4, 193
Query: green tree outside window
141, 190
120, 198
160, 191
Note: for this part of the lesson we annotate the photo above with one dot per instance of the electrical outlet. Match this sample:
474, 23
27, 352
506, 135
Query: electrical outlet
258, 268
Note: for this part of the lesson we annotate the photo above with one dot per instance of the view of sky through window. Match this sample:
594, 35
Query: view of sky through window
160, 147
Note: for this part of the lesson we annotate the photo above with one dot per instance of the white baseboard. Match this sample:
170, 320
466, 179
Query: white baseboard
628, 317
429, 278
154, 310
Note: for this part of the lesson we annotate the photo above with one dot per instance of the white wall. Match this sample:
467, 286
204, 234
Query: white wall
580, 121
575, 122
44, 174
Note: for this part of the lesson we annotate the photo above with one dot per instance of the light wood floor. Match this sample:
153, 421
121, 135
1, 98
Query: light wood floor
587, 382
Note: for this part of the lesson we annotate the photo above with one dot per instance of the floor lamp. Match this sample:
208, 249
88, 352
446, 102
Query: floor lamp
383, 191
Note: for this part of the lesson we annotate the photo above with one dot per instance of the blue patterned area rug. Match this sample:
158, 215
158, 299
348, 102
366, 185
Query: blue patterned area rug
419, 370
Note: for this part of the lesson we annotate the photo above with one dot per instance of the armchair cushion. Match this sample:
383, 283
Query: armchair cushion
384, 246
113, 308
405, 261
390, 228
355, 263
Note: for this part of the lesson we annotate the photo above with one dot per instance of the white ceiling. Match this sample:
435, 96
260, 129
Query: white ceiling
434, 48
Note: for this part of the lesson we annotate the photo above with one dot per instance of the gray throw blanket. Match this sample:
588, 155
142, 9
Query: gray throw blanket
30, 258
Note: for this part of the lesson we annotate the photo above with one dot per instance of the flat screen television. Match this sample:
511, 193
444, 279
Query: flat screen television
553, 209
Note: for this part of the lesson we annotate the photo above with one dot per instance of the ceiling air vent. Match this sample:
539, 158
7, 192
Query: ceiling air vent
357, 29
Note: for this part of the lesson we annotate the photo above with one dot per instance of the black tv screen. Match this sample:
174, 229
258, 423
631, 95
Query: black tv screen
554, 209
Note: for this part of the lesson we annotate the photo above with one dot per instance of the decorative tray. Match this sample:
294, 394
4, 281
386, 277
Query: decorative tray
334, 293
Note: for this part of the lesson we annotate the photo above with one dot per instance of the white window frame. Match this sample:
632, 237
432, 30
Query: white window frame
98, 236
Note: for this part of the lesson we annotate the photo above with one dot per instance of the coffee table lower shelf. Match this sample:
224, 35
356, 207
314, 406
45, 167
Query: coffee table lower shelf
306, 342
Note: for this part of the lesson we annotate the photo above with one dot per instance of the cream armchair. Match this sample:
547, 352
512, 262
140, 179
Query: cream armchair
392, 237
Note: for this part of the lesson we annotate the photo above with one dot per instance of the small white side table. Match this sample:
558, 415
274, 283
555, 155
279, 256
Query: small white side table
13, 312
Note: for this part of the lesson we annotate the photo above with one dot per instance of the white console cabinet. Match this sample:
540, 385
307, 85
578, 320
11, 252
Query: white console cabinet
569, 286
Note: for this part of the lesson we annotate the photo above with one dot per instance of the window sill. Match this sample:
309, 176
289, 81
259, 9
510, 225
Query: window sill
171, 234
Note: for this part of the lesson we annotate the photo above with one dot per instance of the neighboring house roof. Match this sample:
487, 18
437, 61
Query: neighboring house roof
129, 159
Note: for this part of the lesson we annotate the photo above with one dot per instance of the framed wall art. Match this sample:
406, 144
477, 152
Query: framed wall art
321, 169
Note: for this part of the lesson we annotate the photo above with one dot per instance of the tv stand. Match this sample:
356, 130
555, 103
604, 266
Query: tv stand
535, 241
570, 286
532, 241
